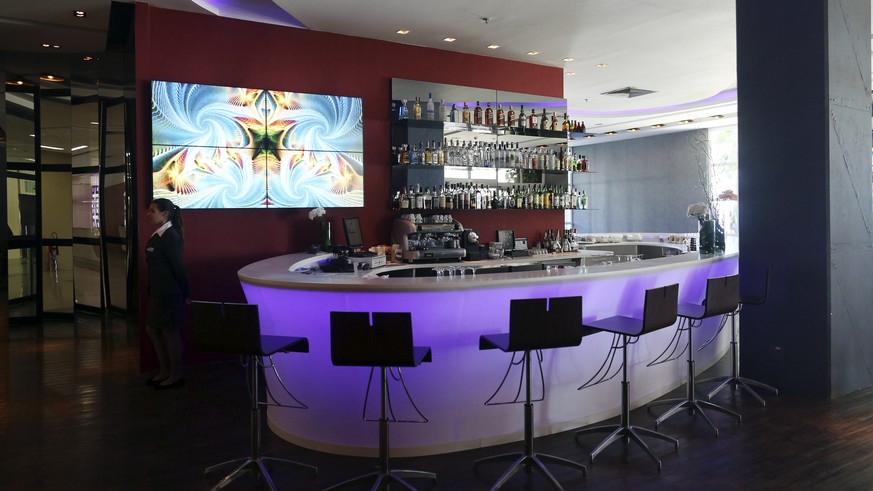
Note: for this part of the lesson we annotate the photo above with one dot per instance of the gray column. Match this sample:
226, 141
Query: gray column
803, 78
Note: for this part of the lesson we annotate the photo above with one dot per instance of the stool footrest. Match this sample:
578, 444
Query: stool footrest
533, 460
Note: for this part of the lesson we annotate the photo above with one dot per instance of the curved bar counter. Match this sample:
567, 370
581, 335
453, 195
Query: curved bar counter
449, 314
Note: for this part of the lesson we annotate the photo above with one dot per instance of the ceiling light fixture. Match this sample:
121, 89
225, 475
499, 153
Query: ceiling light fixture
659, 125
686, 121
633, 130
493, 46
46, 45
47, 147
570, 74
601, 65
18, 82
588, 136
94, 122
403, 31
87, 58
48, 77
533, 53
80, 147
716, 116
610, 133
567, 59
80, 13
449, 40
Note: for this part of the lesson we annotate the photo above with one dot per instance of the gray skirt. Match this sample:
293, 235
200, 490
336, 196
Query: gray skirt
166, 312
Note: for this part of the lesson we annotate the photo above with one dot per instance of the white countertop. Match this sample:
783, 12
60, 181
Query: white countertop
275, 272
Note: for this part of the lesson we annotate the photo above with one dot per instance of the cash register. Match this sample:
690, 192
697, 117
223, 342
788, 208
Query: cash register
355, 241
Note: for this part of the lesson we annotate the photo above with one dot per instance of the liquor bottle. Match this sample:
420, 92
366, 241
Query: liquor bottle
583, 164
404, 154
442, 113
413, 155
501, 121
477, 114
583, 201
533, 121
544, 120
395, 203
416, 108
435, 199
404, 199
522, 119
466, 114
429, 109
582, 127
441, 156
554, 126
565, 126
489, 114
455, 116
510, 117
427, 154
442, 198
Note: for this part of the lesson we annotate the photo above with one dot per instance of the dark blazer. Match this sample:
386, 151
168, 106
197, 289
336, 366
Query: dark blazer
166, 270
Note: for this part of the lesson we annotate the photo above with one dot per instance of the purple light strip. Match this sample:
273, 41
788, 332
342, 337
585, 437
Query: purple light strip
729, 95
254, 10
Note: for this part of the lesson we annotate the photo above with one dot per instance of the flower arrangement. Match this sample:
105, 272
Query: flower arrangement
317, 213
699, 210
728, 195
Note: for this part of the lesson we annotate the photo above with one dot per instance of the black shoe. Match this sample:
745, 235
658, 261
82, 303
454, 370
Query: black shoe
178, 383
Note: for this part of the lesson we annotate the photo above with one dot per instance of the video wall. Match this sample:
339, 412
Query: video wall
234, 147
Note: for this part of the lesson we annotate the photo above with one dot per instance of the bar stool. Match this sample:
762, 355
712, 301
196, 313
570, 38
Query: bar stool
234, 328
722, 298
534, 324
388, 343
659, 311
734, 379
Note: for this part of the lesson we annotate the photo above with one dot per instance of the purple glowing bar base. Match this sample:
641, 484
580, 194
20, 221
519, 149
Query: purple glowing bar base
451, 390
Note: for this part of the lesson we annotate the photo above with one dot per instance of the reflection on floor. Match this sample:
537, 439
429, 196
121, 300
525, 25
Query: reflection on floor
75, 414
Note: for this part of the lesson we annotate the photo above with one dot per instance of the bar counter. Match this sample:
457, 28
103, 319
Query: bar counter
449, 314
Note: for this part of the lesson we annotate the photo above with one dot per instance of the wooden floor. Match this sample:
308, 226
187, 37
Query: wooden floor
75, 415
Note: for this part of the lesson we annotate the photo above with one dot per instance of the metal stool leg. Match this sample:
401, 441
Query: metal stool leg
690, 402
624, 430
734, 380
254, 462
384, 475
529, 459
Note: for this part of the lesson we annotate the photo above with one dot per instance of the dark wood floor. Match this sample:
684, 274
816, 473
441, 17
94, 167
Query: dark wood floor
75, 414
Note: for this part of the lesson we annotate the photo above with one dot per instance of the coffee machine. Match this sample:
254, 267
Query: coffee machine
428, 242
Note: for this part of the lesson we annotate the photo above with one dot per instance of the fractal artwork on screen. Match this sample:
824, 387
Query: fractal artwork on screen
232, 147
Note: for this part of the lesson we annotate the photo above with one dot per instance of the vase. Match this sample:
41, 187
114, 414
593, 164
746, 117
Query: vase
326, 242
706, 237
718, 243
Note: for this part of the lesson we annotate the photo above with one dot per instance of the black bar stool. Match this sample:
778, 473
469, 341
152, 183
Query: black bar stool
235, 328
722, 298
388, 343
734, 379
534, 324
659, 312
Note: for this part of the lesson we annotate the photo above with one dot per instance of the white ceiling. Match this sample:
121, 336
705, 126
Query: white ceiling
684, 50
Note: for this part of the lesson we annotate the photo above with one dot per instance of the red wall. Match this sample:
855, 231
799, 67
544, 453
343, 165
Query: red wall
187, 47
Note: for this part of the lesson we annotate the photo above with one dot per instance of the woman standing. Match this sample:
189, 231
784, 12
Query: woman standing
168, 292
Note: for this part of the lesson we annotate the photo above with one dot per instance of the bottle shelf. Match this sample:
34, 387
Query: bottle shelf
438, 211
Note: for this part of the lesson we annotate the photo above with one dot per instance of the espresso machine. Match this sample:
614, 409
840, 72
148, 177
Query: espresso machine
428, 242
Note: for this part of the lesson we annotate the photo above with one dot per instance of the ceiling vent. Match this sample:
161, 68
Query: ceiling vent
628, 92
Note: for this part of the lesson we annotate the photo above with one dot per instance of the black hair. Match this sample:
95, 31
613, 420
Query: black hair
174, 214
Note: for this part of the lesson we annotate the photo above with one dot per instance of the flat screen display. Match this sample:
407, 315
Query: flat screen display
352, 226
236, 147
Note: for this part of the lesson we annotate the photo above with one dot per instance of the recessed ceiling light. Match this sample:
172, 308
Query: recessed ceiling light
601, 65
588, 136
717, 116
80, 147
533, 53
686, 121
633, 130
94, 122
449, 40
403, 31
610, 133
46, 45
570, 74
48, 77
18, 82
567, 59
87, 58
659, 125
80, 13
493, 46
48, 147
